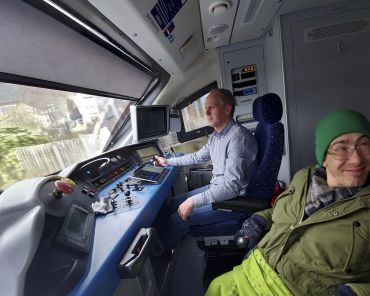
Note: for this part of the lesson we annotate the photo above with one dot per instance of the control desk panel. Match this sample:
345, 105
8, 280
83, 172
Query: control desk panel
82, 244
138, 190
103, 170
113, 177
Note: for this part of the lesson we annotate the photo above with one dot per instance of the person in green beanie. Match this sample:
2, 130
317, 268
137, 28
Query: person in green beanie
316, 238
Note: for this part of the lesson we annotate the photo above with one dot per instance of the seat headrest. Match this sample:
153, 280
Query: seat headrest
267, 108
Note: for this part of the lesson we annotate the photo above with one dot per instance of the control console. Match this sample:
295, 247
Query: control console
123, 195
69, 224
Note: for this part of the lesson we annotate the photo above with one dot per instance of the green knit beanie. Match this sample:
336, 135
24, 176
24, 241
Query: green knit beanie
335, 124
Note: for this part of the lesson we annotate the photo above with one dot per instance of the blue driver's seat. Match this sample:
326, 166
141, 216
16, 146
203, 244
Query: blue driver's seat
267, 110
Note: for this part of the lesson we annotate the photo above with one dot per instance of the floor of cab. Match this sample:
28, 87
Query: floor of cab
185, 272
187, 277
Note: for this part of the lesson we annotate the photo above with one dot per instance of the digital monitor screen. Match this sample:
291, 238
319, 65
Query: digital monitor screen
103, 179
194, 115
147, 153
149, 121
77, 222
152, 122
153, 169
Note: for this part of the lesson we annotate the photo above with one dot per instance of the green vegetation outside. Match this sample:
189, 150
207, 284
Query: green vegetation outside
10, 138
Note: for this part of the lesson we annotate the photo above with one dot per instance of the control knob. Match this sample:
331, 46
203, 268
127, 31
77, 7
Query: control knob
128, 201
63, 185
242, 242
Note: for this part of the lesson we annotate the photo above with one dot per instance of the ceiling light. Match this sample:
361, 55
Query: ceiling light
219, 7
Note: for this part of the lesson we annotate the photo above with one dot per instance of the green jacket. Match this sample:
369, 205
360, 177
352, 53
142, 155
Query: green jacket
330, 247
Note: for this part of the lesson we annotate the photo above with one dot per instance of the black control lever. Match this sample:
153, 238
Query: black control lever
135, 186
173, 152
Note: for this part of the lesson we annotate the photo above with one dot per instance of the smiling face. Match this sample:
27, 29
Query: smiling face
218, 114
352, 172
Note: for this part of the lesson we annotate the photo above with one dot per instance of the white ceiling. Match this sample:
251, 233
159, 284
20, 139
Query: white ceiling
197, 25
230, 21
196, 33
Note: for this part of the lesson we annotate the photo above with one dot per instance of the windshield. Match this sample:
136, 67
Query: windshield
43, 131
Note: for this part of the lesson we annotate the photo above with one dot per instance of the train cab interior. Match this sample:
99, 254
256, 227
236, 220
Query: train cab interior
92, 90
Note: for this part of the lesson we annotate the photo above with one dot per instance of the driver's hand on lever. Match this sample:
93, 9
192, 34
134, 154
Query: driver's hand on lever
158, 160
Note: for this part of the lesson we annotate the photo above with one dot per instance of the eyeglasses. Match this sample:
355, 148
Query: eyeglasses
342, 152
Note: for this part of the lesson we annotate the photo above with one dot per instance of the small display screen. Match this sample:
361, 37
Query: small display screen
77, 222
147, 153
153, 169
101, 180
194, 115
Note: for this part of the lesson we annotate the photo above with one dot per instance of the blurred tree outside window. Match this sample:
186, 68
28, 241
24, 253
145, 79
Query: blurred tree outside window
43, 131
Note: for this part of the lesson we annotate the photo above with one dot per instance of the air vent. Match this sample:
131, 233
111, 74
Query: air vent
333, 30
218, 29
251, 10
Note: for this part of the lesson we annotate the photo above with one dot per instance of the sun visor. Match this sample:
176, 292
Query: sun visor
36, 45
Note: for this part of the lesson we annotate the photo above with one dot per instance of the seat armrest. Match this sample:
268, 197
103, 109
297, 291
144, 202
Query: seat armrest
243, 204
198, 177
206, 169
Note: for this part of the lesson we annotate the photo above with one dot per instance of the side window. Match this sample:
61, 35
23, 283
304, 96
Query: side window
192, 115
194, 126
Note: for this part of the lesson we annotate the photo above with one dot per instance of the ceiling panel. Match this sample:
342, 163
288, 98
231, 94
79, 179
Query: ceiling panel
217, 21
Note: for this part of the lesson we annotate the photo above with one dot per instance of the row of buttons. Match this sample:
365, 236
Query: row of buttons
88, 192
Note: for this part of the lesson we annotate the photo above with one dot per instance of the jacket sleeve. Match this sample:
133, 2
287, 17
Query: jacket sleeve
361, 289
298, 177
344, 290
267, 215
253, 229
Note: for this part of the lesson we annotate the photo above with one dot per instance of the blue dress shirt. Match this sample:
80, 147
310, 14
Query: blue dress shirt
233, 152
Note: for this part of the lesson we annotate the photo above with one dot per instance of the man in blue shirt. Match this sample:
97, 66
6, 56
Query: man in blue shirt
232, 149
